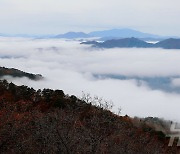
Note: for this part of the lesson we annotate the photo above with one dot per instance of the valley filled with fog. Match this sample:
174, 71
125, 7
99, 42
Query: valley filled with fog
143, 82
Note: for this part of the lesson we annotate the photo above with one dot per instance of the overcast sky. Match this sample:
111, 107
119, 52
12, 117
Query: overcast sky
59, 16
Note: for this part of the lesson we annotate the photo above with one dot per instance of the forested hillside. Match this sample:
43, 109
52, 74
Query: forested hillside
48, 121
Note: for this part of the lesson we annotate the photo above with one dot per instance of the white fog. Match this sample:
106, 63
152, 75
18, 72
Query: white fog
72, 67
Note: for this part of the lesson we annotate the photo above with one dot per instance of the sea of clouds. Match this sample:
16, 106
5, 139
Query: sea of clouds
74, 68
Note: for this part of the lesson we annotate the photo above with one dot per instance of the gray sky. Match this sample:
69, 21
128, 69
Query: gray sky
59, 16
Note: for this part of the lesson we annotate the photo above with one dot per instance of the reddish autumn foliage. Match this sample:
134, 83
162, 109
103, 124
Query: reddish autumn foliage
49, 121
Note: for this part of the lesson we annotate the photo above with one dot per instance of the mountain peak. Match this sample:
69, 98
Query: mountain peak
72, 35
121, 43
123, 33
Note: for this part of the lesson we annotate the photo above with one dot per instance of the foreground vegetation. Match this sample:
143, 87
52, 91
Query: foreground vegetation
48, 121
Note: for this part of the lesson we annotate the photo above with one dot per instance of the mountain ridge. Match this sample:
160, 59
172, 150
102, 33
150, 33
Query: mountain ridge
73, 35
17, 73
103, 34
126, 32
134, 42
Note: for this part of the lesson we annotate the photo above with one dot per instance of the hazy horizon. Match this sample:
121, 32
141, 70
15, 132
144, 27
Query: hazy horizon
57, 16
86, 32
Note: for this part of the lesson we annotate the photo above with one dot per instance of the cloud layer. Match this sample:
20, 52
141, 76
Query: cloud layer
69, 66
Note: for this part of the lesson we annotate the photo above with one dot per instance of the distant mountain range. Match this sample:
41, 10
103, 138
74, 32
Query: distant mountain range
113, 33
99, 35
163, 83
169, 44
124, 33
137, 43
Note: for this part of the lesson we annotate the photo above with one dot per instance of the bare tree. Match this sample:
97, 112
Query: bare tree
97, 101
